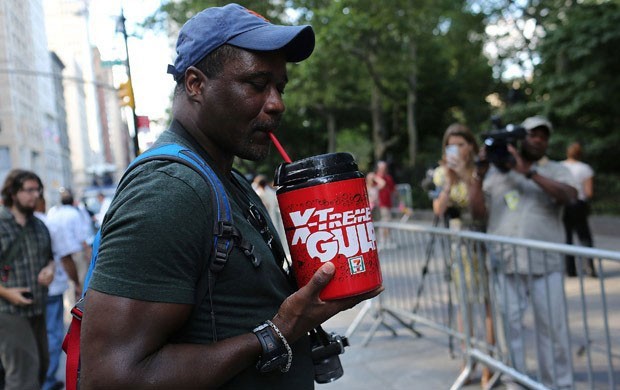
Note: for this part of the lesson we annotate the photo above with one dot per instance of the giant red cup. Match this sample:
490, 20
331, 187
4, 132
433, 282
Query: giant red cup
326, 215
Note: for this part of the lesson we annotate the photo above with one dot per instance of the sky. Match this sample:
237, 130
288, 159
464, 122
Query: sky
149, 53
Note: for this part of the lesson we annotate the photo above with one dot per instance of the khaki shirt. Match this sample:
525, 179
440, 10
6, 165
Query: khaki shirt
519, 208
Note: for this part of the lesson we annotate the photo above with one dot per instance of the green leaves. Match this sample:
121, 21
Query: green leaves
387, 77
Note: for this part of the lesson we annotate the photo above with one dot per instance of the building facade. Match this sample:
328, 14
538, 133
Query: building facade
28, 104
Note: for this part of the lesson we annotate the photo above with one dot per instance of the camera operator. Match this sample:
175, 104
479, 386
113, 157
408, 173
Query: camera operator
526, 201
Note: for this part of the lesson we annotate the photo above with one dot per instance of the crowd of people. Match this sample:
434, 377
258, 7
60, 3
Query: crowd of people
252, 326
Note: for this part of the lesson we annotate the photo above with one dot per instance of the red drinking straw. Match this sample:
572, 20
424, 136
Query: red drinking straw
275, 141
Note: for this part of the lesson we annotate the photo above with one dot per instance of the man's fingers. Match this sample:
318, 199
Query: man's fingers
322, 277
512, 150
352, 301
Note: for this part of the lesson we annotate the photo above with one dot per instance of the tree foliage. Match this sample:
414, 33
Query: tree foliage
387, 78
578, 78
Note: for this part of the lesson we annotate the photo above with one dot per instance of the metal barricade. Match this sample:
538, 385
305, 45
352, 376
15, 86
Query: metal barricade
457, 283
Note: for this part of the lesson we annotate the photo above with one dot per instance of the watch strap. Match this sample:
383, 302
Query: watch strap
531, 173
276, 353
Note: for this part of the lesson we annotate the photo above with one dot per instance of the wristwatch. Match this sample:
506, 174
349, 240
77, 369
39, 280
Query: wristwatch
531, 173
275, 355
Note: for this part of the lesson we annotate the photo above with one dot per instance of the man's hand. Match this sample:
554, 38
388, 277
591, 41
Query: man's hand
46, 275
304, 310
77, 290
69, 265
561, 192
14, 295
521, 166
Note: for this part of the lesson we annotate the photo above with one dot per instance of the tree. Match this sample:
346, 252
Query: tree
385, 80
392, 43
578, 78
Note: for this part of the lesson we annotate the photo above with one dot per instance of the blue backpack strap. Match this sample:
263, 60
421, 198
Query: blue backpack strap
224, 232
224, 238
93, 260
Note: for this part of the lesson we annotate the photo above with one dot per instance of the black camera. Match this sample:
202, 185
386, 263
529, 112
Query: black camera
325, 350
497, 140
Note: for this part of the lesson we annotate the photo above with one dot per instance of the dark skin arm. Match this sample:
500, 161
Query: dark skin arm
562, 193
69, 265
125, 341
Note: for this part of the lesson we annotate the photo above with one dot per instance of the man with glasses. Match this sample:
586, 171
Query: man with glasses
26, 269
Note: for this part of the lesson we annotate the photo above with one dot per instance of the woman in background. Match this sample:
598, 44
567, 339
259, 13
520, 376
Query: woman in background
456, 172
576, 215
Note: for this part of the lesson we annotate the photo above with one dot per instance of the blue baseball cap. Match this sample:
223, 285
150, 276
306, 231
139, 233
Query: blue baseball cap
240, 27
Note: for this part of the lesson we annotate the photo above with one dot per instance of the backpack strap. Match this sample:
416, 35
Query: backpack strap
225, 236
223, 226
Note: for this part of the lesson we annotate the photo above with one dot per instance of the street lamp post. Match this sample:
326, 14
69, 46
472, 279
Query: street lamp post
121, 28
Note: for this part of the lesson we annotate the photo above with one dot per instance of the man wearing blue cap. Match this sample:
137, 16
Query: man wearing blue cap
251, 330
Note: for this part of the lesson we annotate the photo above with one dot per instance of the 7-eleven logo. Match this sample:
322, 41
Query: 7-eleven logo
356, 265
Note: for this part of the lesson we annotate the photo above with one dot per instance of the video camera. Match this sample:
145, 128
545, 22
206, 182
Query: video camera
497, 140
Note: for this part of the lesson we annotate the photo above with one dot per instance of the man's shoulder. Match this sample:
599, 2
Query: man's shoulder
63, 213
5, 213
158, 171
157, 183
168, 137
580, 167
38, 224
553, 168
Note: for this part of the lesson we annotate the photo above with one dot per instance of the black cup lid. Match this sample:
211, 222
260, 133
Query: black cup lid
313, 167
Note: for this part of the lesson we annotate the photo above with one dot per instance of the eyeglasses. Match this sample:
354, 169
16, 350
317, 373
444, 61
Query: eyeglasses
32, 190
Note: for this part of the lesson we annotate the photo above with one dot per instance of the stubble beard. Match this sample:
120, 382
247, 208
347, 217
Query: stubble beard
530, 155
253, 151
24, 209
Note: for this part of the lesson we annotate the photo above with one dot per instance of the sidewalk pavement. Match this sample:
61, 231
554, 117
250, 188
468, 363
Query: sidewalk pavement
409, 362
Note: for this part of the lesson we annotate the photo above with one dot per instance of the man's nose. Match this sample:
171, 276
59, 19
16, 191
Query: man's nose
274, 103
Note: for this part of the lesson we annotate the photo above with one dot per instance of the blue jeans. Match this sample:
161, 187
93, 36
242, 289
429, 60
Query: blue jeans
55, 335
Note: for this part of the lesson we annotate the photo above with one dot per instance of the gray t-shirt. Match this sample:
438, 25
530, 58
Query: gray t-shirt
156, 239
519, 208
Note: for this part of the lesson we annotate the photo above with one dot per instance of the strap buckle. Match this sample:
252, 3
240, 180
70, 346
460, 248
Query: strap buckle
78, 309
227, 234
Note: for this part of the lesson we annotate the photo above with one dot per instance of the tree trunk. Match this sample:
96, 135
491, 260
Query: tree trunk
331, 132
412, 130
378, 125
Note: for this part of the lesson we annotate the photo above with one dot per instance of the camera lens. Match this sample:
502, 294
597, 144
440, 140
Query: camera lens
328, 370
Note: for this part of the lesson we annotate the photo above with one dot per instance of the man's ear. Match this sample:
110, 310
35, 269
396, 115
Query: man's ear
194, 82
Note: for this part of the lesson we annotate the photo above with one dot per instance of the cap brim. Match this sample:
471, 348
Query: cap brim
297, 42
